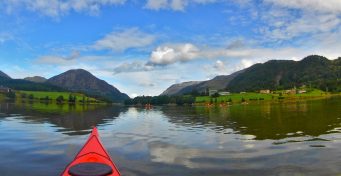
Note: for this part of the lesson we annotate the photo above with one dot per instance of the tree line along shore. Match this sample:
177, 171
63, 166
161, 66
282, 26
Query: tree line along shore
49, 97
193, 98
231, 98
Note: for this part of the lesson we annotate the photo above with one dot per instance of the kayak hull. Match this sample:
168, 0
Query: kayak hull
93, 152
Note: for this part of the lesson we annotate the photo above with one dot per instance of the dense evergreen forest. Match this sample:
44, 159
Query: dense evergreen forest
20, 84
313, 71
161, 100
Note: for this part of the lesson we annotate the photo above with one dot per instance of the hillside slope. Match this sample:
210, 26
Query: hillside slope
181, 88
315, 71
4, 75
20, 84
83, 81
217, 83
37, 79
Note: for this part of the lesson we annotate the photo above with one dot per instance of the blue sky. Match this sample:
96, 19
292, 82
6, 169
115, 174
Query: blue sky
144, 46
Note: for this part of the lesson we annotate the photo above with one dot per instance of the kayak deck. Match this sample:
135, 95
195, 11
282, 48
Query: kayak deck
93, 152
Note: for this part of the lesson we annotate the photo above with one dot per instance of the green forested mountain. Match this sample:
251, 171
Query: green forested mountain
218, 83
181, 88
313, 71
80, 80
4, 75
37, 79
73, 80
20, 84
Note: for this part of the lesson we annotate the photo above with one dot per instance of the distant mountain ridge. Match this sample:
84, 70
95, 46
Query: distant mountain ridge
20, 84
315, 71
4, 75
83, 81
217, 83
78, 80
181, 88
37, 79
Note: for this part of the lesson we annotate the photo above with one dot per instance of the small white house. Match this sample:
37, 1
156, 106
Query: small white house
212, 92
302, 91
265, 91
224, 93
4, 89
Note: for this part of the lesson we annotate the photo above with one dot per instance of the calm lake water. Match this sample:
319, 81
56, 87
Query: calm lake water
297, 138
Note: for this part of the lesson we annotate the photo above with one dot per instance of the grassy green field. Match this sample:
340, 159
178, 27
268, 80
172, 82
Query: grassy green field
250, 96
235, 97
313, 93
2, 96
54, 108
53, 95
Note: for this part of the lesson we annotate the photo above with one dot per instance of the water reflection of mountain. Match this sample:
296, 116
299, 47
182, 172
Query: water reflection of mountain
69, 119
265, 121
216, 118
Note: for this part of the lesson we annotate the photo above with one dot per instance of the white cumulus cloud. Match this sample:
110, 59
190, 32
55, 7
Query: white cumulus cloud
246, 63
56, 8
329, 6
156, 4
176, 5
285, 20
134, 66
119, 41
180, 53
165, 55
219, 65
59, 60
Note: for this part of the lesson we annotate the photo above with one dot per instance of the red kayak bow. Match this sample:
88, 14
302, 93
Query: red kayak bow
92, 160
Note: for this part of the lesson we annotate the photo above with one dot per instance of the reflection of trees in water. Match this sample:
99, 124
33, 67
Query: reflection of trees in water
73, 119
215, 118
295, 119
87, 119
266, 120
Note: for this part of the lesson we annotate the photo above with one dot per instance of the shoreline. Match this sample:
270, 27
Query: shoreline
289, 99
